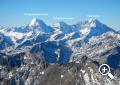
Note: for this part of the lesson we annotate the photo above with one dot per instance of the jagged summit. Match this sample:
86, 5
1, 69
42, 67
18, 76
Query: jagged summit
59, 24
36, 22
92, 23
39, 25
63, 27
94, 27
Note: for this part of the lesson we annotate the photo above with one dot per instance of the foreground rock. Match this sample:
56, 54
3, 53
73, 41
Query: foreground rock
40, 73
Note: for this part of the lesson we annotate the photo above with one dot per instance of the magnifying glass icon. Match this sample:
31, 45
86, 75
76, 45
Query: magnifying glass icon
104, 69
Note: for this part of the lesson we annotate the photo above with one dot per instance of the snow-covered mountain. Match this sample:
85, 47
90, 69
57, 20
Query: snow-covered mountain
77, 35
63, 27
94, 28
37, 46
39, 25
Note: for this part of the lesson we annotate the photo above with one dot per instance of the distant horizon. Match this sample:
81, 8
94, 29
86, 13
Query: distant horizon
20, 13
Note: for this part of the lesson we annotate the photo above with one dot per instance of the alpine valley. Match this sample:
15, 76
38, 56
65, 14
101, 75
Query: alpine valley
61, 54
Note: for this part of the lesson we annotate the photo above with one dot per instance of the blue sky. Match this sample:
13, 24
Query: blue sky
12, 11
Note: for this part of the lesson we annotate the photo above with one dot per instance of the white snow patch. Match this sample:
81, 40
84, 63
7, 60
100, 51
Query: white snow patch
42, 73
83, 71
84, 31
10, 75
62, 76
86, 78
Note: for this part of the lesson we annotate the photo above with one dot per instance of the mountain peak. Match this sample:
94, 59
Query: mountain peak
92, 23
59, 24
36, 22
92, 20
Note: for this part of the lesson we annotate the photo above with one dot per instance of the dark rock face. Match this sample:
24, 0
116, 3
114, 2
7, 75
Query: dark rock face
53, 52
114, 60
34, 71
61, 75
11, 60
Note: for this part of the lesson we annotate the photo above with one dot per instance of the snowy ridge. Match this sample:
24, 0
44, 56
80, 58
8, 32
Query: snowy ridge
34, 22
79, 33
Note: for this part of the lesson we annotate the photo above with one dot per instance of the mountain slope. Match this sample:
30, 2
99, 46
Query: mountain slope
61, 54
